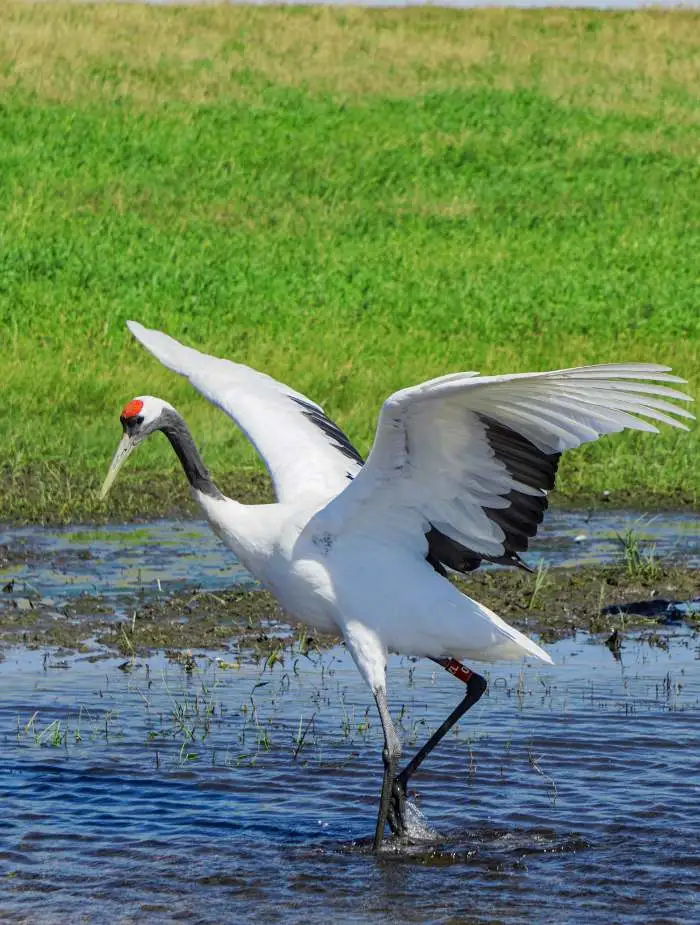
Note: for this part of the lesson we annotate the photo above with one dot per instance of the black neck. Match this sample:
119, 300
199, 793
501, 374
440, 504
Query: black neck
181, 440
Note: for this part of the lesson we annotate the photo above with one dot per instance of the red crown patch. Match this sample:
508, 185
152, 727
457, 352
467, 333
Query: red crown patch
131, 409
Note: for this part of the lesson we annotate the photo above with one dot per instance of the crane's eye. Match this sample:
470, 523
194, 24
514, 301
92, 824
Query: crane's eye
130, 422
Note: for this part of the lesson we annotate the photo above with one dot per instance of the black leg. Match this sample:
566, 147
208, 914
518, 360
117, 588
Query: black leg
476, 685
390, 755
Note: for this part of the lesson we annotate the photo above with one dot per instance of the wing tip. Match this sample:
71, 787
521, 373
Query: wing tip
135, 327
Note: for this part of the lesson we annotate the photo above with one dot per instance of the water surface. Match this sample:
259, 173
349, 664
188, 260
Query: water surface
239, 793
167, 555
221, 789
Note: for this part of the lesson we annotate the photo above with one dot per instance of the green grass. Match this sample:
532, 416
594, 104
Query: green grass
352, 201
639, 557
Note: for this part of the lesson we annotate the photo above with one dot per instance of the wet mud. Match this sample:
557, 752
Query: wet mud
550, 604
134, 589
229, 620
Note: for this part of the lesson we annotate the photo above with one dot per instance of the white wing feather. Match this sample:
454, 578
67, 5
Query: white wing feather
300, 454
463, 454
436, 460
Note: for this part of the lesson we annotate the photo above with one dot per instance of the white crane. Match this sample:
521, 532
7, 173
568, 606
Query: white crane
458, 473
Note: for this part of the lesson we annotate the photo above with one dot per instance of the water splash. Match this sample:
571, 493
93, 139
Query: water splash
418, 829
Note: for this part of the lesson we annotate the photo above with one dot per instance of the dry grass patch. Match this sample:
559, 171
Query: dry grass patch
645, 62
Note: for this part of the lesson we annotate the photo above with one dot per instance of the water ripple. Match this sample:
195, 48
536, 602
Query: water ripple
546, 807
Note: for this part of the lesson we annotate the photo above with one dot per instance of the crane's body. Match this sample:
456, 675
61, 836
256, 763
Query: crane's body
266, 539
458, 473
360, 587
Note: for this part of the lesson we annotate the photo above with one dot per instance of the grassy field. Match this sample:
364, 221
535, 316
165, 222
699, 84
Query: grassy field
351, 200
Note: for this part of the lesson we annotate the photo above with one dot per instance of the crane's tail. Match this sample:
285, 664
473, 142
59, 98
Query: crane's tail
508, 643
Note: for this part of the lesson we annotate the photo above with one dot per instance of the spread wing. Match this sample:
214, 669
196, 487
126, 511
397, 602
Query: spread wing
468, 460
303, 449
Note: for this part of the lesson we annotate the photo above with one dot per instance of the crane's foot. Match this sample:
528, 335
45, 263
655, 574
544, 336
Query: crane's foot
396, 815
390, 757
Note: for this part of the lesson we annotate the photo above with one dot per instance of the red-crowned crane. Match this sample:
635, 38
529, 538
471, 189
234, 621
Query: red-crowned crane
458, 473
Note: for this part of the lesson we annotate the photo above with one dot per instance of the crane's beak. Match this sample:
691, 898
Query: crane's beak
126, 445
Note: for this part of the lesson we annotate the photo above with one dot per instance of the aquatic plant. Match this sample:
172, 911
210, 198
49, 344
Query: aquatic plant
539, 582
639, 560
534, 762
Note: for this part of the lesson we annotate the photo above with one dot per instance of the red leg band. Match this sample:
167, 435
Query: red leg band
456, 668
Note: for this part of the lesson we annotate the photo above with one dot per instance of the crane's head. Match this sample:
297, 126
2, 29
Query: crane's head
139, 418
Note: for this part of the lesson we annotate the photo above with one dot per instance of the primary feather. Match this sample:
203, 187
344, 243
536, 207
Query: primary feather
474, 457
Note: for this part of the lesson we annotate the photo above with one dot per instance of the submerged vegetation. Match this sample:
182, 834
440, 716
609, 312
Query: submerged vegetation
352, 200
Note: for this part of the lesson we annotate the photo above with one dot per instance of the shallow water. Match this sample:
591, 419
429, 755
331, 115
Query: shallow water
140, 791
224, 794
167, 555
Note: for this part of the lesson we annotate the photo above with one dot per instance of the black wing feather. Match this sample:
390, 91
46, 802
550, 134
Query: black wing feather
519, 521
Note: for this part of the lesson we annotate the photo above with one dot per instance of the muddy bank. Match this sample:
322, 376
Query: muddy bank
234, 621
549, 603
558, 602
60, 495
